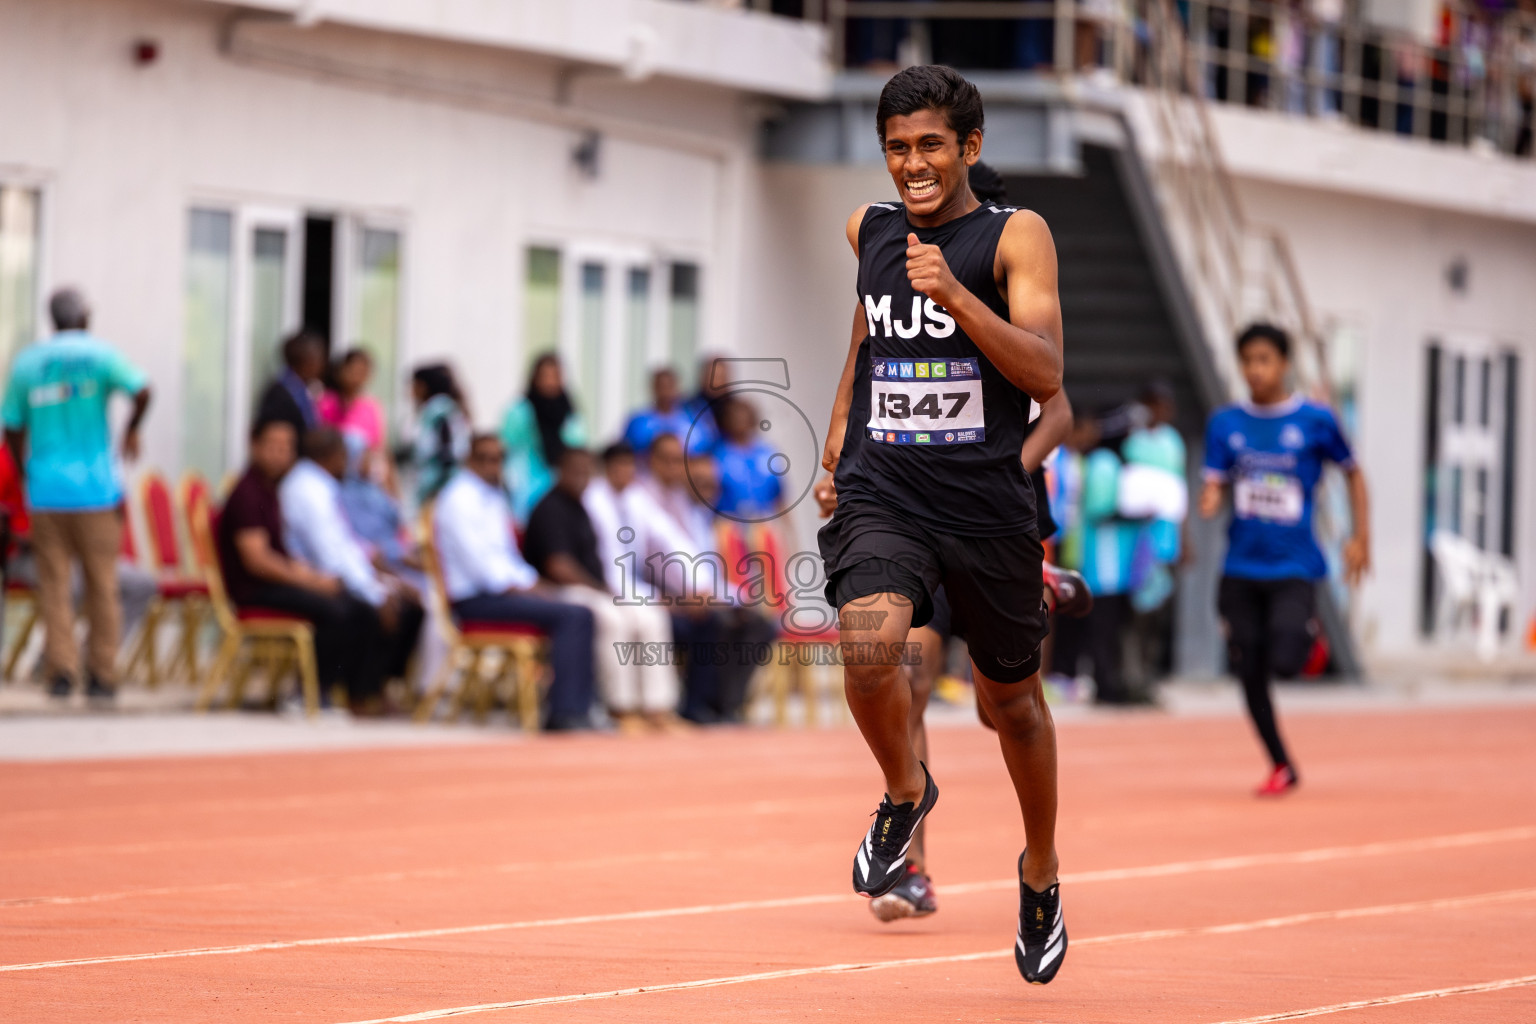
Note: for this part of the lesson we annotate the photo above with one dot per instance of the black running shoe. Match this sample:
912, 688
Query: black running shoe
912, 897
60, 687
98, 692
883, 853
1042, 941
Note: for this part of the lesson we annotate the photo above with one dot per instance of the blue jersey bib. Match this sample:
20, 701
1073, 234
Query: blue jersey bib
1273, 457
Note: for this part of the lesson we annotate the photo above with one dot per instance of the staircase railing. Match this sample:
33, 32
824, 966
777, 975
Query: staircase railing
1238, 271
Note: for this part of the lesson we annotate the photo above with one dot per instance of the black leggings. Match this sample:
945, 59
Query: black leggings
1268, 624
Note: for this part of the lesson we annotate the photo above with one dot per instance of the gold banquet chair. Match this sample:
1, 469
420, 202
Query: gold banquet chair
472, 645
276, 639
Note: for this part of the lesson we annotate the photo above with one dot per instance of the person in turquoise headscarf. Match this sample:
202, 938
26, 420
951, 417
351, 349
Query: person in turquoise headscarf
536, 429
442, 428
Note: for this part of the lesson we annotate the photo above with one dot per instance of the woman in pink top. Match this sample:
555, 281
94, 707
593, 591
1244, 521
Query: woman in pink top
347, 407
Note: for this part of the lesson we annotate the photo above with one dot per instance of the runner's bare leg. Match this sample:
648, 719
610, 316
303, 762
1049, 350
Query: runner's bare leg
878, 692
1027, 734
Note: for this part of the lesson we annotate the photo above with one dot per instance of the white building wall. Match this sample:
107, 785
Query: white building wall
1380, 268
467, 148
1372, 265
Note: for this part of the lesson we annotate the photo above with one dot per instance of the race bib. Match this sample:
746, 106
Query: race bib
1271, 497
926, 401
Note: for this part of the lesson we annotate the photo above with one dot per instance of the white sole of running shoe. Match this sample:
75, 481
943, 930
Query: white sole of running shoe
891, 907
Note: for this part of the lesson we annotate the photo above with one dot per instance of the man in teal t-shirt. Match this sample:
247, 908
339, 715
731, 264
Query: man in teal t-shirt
55, 415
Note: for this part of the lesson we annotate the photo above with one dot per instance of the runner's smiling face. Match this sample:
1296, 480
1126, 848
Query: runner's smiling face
930, 166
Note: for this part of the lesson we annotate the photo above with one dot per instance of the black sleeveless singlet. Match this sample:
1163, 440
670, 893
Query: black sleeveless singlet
934, 431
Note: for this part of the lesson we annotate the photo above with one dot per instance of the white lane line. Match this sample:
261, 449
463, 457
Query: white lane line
880, 965
701, 910
436, 829
1314, 856
416, 874
432, 933
1406, 997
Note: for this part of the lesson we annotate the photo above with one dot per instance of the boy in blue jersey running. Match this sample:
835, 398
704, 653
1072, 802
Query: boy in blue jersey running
1269, 454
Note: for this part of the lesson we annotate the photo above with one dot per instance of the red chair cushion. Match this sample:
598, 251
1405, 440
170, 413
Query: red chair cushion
173, 590
500, 628
266, 615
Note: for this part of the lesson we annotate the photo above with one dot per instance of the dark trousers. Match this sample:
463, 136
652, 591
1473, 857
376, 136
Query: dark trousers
745, 631
570, 630
401, 644
350, 645
1104, 640
1268, 626
701, 639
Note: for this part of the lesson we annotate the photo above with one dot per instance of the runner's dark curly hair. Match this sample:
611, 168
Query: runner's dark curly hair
931, 87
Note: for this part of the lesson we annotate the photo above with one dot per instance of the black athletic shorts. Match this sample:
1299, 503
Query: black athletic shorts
993, 583
1268, 624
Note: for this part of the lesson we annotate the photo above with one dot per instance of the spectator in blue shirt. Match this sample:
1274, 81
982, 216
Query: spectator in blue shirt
55, 413
666, 416
750, 488
1269, 453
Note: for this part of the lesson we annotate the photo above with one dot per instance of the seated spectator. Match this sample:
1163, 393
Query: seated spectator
260, 573
318, 533
442, 428
682, 490
488, 581
620, 507
714, 378
666, 416
348, 407
378, 523
749, 489
563, 545
290, 396
537, 428
375, 517
668, 481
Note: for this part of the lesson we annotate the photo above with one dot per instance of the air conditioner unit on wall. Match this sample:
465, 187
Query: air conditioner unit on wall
1419, 17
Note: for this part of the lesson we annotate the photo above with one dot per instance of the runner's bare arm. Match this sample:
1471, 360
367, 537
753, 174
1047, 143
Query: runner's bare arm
1357, 549
1212, 494
832, 448
1026, 348
1054, 426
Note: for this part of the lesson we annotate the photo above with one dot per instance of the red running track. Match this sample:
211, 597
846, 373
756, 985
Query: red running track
705, 878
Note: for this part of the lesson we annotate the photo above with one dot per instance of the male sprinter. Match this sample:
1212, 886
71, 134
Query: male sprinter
1065, 592
958, 326
1270, 452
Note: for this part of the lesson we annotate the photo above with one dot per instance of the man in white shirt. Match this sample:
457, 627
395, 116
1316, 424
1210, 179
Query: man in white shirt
488, 581
564, 544
681, 488
317, 533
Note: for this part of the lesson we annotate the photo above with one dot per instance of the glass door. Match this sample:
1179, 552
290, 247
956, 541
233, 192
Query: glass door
1470, 456
614, 334
268, 251
19, 270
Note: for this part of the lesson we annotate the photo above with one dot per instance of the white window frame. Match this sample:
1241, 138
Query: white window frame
350, 224
248, 215
41, 182
608, 411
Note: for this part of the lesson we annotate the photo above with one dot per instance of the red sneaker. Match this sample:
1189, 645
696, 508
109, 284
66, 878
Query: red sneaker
1072, 596
1281, 781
